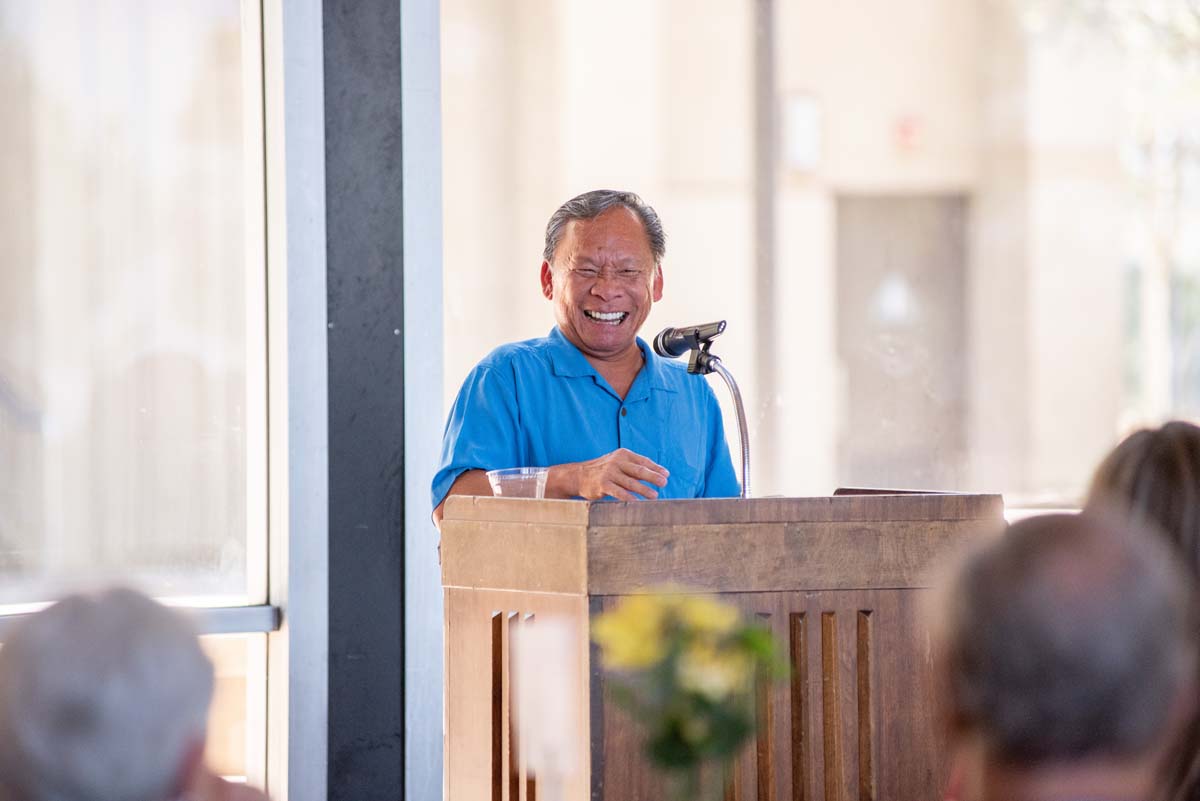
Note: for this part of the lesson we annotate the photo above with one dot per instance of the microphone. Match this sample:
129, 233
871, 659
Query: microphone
673, 342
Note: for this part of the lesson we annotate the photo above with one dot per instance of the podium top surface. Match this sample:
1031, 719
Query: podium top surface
727, 511
733, 544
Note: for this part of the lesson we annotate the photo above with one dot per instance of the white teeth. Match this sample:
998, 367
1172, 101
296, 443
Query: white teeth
607, 317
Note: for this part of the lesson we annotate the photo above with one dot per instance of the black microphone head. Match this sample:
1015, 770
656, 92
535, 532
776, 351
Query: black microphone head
674, 342
667, 344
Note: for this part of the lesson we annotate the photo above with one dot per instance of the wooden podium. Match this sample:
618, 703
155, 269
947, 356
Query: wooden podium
837, 579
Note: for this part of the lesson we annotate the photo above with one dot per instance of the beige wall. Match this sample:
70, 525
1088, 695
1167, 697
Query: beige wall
873, 64
1077, 213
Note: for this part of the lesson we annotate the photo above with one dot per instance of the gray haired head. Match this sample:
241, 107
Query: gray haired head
591, 205
102, 697
1071, 637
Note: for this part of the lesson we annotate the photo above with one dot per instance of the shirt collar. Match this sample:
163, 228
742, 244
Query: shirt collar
569, 362
654, 369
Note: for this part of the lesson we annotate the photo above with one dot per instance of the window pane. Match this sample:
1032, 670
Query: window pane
955, 241
126, 423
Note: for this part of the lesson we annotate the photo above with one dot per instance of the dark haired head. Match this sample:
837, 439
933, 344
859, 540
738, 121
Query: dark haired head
1069, 637
1153, 476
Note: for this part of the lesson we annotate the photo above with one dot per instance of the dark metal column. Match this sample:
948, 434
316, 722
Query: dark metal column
365, 258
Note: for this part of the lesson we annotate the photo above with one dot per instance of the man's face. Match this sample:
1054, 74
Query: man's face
603, 282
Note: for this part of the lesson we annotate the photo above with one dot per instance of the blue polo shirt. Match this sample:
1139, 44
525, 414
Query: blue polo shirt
539, 403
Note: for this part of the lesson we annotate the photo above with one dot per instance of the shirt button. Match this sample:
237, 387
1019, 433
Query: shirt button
624, 411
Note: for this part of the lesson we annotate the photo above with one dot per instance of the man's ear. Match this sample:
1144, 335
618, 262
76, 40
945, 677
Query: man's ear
547, 281
658, 283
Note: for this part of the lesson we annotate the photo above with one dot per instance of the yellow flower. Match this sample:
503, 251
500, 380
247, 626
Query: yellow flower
705, 615
631, 635
714, 672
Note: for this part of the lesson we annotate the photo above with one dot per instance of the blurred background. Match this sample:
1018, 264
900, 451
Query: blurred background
956, 242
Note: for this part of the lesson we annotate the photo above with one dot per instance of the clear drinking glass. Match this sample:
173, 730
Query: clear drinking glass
519, 482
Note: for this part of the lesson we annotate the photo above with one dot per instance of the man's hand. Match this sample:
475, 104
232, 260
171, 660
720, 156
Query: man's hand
622, 474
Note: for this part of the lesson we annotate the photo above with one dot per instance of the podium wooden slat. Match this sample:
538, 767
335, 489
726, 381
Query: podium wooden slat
837, 579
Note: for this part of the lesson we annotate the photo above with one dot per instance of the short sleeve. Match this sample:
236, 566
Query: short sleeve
482, 429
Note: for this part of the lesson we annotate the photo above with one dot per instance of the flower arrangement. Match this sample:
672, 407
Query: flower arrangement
684, 665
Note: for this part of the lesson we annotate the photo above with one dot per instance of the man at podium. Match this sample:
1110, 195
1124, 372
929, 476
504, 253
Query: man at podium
591, 401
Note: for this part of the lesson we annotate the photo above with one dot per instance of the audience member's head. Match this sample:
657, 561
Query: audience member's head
102, 698
1154, 476
1068, 648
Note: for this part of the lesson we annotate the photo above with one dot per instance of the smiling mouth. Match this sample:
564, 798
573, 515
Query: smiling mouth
609, 318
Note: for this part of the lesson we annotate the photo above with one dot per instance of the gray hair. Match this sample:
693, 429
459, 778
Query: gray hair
100, 698
591, 205
1069, 637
